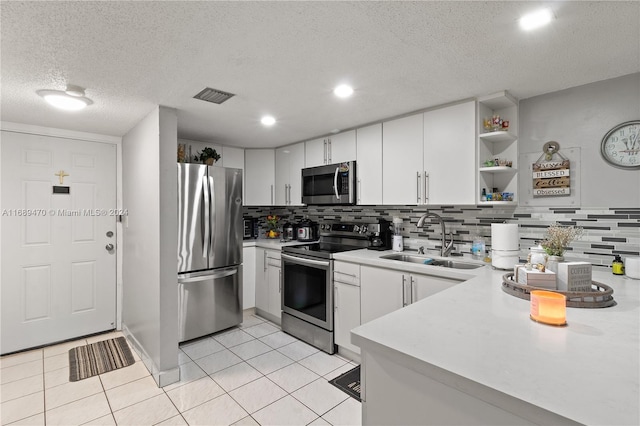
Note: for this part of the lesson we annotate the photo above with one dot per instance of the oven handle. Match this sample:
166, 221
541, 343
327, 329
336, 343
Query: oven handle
303, 261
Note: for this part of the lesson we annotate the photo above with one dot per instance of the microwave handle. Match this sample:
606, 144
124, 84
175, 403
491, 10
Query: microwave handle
335, 183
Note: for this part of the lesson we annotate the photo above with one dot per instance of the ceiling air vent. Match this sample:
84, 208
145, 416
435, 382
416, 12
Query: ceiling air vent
213, 95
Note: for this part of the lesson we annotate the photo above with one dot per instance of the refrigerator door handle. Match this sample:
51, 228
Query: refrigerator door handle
212, 214
206, 233
215, 275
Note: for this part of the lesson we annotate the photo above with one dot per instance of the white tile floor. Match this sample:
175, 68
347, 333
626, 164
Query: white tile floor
253, 374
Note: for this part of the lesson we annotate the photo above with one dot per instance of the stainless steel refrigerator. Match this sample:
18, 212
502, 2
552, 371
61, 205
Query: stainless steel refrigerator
210, 237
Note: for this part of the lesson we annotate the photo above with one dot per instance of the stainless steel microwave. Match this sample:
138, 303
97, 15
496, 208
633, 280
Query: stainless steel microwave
332, 184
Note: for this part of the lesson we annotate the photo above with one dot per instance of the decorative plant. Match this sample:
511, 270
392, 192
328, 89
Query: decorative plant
272, 222
206, 154
558, 238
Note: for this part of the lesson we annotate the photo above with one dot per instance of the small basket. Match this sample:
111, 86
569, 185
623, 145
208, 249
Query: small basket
601, 295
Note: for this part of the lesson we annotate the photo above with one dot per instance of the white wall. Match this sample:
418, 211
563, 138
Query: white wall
579, 117
150, 307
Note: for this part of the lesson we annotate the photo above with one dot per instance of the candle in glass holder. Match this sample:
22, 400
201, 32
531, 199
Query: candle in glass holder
548, 307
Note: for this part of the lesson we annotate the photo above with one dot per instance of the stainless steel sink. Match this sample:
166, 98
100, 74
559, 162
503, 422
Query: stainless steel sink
445, 263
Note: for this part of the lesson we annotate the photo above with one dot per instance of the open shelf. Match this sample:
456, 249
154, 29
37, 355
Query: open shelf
498, 169
498, 136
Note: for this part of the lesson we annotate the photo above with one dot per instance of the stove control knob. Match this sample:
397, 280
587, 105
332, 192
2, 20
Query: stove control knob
356, 228
364, 229
327, 226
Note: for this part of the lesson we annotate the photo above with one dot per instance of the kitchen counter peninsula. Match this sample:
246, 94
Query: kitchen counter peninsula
471, 355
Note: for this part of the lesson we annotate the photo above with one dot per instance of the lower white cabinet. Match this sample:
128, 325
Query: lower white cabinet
346, 303
268, 288
383, 291
248, 277
274, 279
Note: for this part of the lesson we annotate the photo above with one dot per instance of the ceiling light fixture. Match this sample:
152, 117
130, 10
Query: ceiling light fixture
343, 91
268, 120
535, 20
72, 99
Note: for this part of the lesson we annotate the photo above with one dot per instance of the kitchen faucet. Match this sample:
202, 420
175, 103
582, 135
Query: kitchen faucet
446, 247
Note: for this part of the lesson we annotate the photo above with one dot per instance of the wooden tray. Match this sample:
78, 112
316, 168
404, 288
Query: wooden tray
600, 297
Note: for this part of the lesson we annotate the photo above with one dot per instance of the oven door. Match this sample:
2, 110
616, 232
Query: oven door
307, 289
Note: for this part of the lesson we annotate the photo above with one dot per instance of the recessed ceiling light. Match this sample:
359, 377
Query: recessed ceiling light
535, 20
268, 120
343, 91
72, 99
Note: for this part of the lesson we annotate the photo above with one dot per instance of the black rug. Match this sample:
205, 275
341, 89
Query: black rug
349, 382
97, 358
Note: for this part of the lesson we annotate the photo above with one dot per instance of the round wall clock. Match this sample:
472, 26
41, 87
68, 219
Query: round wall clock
620, 147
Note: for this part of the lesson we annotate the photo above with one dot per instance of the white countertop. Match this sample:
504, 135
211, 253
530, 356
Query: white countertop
588, 371
271, 243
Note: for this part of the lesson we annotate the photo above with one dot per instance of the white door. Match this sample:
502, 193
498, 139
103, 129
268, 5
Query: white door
346, 314
427, 285
315, 153
58, 278
381, 292
259, 177
296, 164
342, 147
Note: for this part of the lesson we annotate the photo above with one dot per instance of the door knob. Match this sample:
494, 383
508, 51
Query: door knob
109, 234
109, 247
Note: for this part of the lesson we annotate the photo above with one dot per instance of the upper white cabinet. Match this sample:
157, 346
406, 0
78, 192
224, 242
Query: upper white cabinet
338, 148
232, 157
501, 144
259, 177
369, 164
430, 158
402, 165
449, 175
289, 164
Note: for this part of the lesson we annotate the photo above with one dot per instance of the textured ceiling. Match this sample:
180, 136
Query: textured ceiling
284, 58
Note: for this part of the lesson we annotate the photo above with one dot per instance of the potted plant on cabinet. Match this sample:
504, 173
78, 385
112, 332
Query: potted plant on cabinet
208, 156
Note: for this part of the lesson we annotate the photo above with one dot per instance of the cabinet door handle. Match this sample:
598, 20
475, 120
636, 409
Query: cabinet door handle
414, 297
289, 194
272, 194
285, 194
344, 273
359, 191
325, 151
265, 261
280, 279
418, 187
335, 298
426, 187
404, 291
329, 159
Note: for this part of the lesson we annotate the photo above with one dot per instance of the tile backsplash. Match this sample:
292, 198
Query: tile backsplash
607, 231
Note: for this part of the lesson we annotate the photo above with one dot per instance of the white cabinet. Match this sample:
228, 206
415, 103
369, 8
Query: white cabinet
232, 157
346, 281
268, 287
430, 158
259, 177
449, 155
380, 292
248, 277
369, 164
385, 290
261, 282
338, 148
289, 163
502, 145
274, 278
402, 165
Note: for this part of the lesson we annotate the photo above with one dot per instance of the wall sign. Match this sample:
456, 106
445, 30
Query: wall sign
551, 173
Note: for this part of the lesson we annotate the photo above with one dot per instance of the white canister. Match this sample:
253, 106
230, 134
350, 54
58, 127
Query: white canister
632, 267
397, 244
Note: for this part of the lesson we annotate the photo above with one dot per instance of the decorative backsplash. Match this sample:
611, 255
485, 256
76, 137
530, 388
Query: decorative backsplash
607, 231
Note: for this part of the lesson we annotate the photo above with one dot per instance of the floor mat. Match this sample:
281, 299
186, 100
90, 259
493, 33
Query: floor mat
97, 358
349, 382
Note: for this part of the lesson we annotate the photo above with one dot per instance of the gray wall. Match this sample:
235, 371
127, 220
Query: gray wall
150, 309
579, 118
